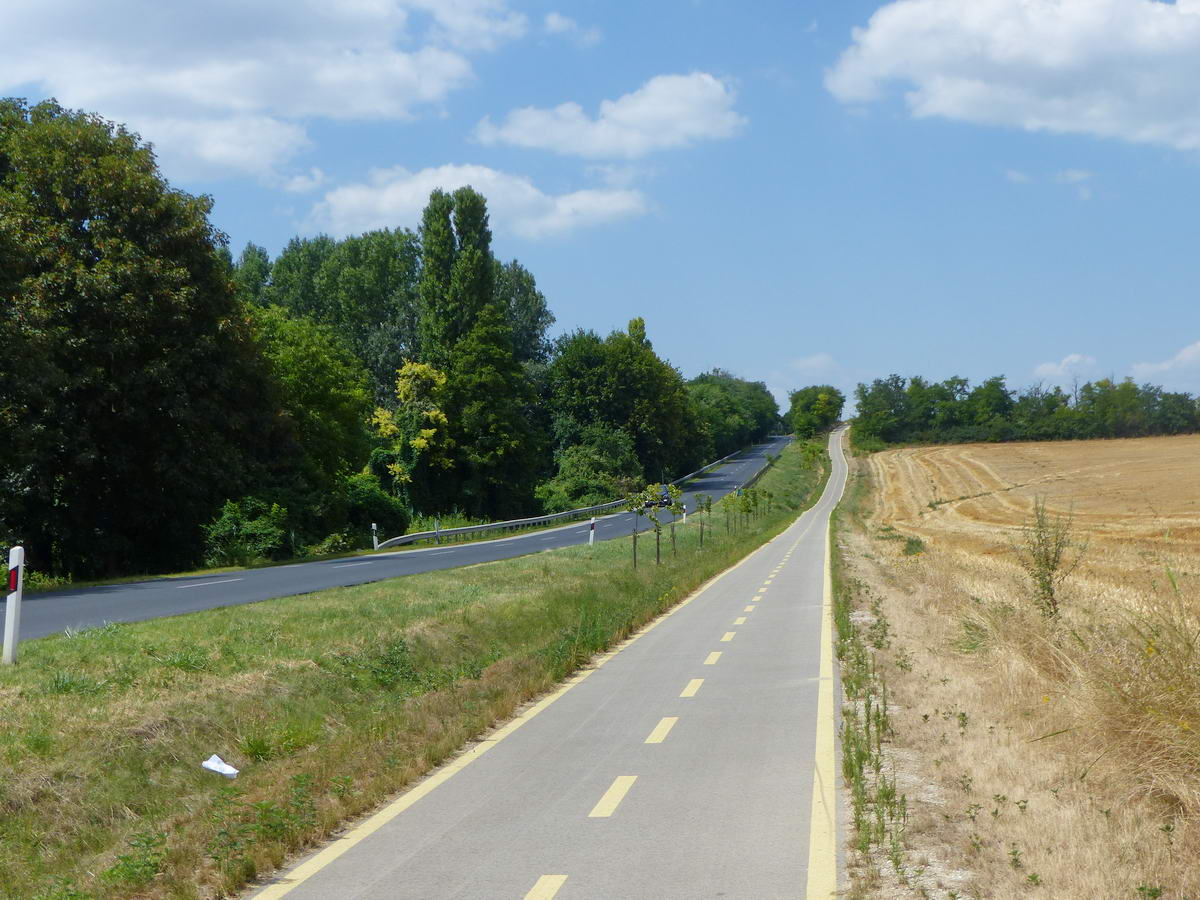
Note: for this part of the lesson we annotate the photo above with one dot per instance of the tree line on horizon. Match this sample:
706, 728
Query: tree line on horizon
162, 402
896, 410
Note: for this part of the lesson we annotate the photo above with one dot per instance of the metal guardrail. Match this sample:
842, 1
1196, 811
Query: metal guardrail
514, 524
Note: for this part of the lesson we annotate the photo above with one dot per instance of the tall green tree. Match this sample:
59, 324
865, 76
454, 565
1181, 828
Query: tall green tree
815, 409
438, 251
488, 399
620, 381
368, 292
324, 401
251, 273
732, 412
148, 404
525, 307
294, 277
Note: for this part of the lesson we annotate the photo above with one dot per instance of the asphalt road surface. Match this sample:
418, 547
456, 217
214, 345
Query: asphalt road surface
43, 614
687, 764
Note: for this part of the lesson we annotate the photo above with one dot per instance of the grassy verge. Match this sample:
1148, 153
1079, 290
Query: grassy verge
878, 810
328, 703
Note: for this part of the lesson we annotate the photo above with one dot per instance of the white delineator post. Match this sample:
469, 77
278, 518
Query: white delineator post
12, 607
375, 535
592, 532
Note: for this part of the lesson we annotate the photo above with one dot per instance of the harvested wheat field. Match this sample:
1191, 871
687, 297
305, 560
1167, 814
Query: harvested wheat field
1052, 753
1137, 502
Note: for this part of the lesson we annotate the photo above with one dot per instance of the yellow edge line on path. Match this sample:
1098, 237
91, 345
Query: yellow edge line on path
822, 835
293, 878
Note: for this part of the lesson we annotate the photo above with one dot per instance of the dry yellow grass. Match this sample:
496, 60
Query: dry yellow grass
1039, 756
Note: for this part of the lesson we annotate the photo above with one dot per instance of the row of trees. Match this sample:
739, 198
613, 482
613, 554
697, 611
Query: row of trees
156, 394
899, 410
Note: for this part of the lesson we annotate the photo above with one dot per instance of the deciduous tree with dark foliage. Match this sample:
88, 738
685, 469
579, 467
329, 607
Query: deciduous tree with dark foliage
132, 400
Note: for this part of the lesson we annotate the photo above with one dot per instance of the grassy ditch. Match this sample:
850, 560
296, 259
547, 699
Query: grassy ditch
328, 703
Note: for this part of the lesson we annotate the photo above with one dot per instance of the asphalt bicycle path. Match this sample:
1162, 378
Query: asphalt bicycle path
697, 760
54, 611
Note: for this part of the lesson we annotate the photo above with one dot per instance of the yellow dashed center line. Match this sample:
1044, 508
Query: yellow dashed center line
756, 598
546, 887
712, 658
662, 729
740, 620
768, 581
612, 797
750, 609
692, 687
729, 636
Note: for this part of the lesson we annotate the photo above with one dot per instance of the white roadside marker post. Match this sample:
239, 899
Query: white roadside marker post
592, 532
375, 535
12, 607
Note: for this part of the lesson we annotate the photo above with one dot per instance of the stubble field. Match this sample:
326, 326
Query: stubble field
1052, 754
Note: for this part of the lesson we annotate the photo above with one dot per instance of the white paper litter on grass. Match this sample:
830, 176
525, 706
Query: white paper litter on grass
215, 764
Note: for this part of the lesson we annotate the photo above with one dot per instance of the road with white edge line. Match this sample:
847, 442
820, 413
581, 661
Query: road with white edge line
696, 760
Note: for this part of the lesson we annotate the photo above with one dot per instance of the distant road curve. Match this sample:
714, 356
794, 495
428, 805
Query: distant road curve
43, 614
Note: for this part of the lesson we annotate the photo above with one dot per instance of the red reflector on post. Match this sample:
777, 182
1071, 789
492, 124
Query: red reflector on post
13, 577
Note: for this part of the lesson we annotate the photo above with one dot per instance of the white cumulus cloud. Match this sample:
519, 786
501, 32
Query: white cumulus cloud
395, 197
1125, 69
224, 87
1182, 369
1069, 365
667, 111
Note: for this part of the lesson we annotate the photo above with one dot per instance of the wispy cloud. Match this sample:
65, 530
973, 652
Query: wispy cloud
667, 111
1182, 369
818, 362
306, 182
396, 196
558, 24
1017, 177
1070, 365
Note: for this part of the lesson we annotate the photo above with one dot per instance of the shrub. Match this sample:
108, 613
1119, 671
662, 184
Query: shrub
338, 542
367, 502
245, 532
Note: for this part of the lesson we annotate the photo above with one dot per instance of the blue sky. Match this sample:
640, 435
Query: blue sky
799, 192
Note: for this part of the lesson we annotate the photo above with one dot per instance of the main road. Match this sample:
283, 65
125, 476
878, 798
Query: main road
43, 614
695, 761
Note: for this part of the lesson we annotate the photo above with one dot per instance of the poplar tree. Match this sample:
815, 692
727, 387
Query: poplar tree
438, 249
496, 454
